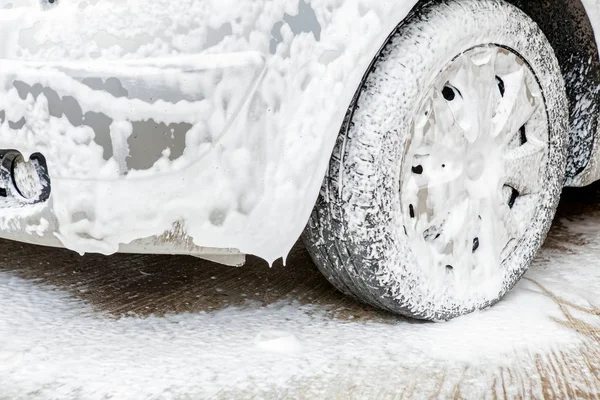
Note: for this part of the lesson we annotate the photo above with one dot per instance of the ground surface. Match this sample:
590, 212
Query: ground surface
132, 326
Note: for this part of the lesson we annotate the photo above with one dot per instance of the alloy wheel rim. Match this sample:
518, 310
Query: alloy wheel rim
474, 166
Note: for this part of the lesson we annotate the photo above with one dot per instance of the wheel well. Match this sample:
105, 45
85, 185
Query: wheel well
568, 29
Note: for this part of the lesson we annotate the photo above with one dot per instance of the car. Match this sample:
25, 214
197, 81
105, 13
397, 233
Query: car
419, 147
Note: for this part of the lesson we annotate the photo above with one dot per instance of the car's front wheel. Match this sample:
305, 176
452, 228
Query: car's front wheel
447, 173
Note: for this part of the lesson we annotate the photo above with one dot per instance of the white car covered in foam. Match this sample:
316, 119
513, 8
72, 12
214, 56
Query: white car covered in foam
421, 146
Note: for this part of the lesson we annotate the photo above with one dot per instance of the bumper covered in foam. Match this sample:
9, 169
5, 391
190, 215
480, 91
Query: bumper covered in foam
134, 147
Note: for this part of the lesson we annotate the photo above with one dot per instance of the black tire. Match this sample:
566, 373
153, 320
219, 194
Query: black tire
355, 234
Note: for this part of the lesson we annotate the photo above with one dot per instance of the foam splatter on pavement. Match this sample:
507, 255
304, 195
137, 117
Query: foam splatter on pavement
542, 340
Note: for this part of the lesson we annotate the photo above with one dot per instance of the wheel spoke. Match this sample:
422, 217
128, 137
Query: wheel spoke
458, 218
426, 203
454, 236
523, 166
449, 135
439, 134
488, 251
501, 228
511, 227
476, 80
463, 240
525, 207
484, 78
516, 107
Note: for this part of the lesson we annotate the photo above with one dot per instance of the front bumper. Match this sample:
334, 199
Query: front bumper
137, 151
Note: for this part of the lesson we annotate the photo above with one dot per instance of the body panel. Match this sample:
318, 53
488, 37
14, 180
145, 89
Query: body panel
592, 171
254, 186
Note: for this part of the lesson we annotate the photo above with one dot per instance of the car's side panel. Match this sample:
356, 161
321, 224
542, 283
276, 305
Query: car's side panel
592, 171
248, 176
